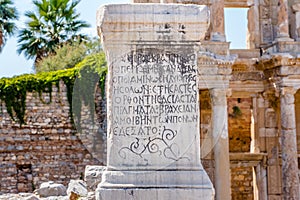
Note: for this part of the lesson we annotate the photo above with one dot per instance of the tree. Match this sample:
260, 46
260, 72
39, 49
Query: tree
8, 13
68, 55
55, 23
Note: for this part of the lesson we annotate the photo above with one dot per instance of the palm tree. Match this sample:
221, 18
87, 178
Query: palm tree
8, 13
54, 23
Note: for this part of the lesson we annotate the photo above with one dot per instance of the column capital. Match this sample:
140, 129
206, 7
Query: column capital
287, 91
287, 97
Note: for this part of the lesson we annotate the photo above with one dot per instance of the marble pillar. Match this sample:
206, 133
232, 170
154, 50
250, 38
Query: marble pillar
153, 147
290, 178
221, 143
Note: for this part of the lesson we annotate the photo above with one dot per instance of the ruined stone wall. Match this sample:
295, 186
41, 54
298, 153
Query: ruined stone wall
46, 148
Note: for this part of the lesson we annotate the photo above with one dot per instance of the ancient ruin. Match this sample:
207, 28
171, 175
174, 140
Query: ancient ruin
253, 92
153, 112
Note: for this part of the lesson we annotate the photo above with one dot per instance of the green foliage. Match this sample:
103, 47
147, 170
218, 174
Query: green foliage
93, 72
13, 91
68, 55
8, 13
54, 23
236, 112
65, 57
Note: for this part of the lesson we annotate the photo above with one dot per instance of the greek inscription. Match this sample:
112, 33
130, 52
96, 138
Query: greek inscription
150, 91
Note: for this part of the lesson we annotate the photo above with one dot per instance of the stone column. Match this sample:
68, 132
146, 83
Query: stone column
296, 9
290, 169
221, 144
153, 149
283, 21
217, 10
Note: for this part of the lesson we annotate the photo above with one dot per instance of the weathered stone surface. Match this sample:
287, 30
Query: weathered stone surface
218, 30
50, 188
20, 196
153, 149
296, 7
32, 197
156, 23
283, 21
290, 169
220, 142
120, 75
38, 151
159, 194
77, 188
91, 196
93, 176
274, 173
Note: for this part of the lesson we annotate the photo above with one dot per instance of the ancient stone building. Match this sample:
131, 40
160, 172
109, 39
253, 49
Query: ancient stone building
255, 90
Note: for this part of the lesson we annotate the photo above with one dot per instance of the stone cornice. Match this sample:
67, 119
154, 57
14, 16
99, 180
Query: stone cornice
124, 23
214, 70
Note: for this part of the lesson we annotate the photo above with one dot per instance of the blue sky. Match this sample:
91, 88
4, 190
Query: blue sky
12, 64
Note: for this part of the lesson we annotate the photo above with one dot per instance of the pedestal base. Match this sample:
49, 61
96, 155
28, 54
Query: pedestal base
155, 185
154, 194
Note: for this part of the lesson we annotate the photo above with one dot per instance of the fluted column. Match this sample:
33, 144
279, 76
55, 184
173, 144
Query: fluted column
217, 10
283, 21
290, 179
221, 144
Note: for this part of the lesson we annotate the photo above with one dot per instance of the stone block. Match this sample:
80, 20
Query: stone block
274, 175
272, 145
274, 197
262, 132
271, 118
157, 194
264, 12
262, 144
266, 31
77, 188
158, 22
31, 197
296, 7
50, 188
93, 176
271, 132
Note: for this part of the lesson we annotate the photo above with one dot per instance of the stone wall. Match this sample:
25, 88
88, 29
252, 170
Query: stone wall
241, 183
239, 122
46, 148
